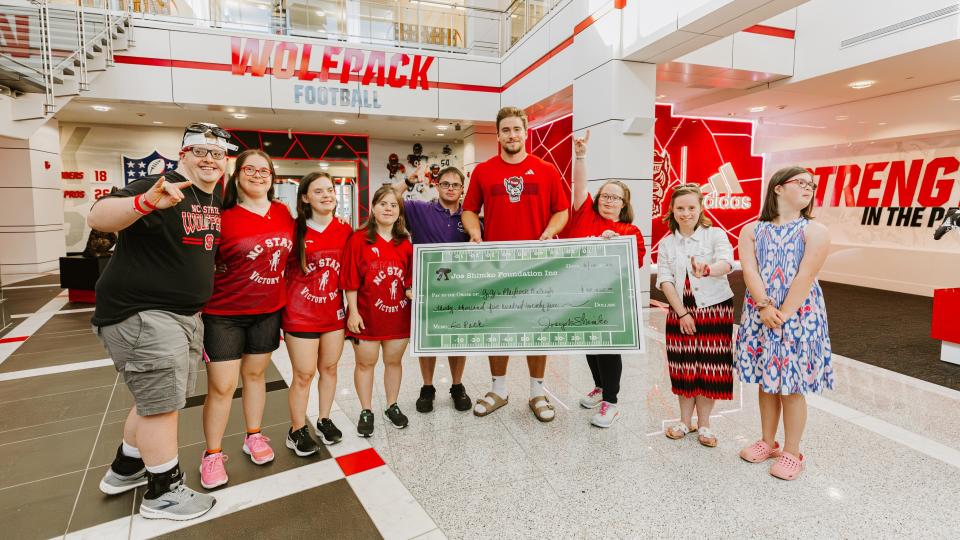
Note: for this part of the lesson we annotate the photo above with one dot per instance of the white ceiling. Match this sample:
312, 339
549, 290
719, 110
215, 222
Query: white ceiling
787, 97
81, 111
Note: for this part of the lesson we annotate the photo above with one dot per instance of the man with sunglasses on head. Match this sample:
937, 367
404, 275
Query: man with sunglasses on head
147, 313
435, 222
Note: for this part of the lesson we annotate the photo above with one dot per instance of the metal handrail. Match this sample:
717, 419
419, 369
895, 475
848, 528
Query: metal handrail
52, 69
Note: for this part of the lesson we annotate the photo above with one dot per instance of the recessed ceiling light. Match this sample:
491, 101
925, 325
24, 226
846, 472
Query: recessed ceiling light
759, 108
101, 108
157, 122
841, 117
881, 123
442, 128
441, 134
324, 164
860, 85
239, 116
339, 121
955, 98
320, 13
661, 96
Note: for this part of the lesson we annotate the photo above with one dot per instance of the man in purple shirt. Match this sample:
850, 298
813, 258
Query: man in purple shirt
435, 222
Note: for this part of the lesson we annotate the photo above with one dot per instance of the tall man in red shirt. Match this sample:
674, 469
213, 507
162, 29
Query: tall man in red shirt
523, 198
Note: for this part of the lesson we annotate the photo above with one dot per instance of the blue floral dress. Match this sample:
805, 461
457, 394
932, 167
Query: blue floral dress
794, 359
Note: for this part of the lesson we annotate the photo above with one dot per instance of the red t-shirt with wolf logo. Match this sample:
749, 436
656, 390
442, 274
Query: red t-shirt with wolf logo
254, 250
517, 199
380, 273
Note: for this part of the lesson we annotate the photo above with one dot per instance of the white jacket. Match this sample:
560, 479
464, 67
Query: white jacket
708, 244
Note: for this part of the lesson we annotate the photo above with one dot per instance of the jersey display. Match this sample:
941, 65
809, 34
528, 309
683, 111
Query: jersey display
253, 251
380, 273
315, 300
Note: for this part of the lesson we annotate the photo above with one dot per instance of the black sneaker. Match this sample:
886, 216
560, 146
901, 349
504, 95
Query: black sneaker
425, 401
328, 432
365, 425
396, 418
124, 474
461, 401
301, 442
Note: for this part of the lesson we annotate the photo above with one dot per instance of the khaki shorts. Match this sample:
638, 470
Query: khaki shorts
159, 354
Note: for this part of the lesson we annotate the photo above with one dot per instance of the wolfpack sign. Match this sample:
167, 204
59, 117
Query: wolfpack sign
321, 69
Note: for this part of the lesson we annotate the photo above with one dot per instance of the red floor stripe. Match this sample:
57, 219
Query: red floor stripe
14, 339
358, 462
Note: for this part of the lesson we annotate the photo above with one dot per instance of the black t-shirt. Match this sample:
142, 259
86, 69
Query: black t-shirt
164, 260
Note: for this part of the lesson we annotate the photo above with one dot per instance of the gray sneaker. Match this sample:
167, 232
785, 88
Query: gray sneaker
114, 483
179, 504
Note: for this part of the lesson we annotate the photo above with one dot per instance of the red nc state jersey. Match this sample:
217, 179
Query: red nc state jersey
254, 250
314, 298
380, 273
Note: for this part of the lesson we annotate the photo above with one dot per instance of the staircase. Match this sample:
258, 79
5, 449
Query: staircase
50, 52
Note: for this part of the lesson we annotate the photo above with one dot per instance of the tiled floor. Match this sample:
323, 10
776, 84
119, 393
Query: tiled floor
883, 455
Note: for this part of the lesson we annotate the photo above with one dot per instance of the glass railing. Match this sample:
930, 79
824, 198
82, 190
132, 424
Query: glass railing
522, 16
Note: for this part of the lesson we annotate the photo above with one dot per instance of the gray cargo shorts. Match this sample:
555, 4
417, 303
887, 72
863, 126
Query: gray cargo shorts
159, 354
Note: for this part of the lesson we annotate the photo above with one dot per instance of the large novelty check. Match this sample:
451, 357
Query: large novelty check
541, 297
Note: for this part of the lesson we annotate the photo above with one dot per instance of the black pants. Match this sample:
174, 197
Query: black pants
606, 369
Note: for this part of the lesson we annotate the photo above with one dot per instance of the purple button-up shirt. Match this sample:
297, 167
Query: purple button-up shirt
431, 223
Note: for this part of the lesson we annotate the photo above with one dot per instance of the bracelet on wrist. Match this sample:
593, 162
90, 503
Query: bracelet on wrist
139, 206
684, 315
147, 203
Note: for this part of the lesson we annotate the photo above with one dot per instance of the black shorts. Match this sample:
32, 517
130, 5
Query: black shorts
227, 337
304, 335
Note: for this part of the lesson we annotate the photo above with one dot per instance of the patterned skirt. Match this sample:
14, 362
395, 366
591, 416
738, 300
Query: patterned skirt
701, 364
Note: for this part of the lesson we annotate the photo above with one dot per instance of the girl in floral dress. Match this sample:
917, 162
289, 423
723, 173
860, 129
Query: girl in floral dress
783, 343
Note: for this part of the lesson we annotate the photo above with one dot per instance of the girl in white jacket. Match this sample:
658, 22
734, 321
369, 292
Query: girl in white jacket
692, 266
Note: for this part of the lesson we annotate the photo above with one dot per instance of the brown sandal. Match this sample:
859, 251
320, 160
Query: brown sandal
678, 431
540, 405
487, 407
707, 437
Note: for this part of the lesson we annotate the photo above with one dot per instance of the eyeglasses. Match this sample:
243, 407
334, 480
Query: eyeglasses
250, 170
609, 198
204, 128
812, 186
448, 185
200, 152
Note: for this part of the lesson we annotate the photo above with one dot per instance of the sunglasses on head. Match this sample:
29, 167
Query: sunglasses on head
204, 128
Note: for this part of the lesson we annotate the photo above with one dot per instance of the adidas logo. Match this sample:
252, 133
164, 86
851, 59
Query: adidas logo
529, 171
723, 191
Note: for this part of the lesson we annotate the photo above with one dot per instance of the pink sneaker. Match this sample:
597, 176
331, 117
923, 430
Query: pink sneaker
257, 448
788, 466
760, 451
212, 472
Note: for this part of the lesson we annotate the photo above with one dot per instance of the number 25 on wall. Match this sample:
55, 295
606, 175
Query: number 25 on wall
99, 193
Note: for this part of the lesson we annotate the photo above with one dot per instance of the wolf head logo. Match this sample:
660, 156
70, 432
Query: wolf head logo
514, 187
661, 177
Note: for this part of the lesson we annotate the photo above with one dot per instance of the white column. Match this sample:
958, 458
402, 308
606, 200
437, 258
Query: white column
31, 202
615, 102
479, 145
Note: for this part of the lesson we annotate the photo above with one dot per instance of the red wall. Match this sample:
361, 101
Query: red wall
710, 143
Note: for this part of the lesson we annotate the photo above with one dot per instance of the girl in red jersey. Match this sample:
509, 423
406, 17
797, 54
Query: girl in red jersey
610, 215
314, 318
242, 319
376, 279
